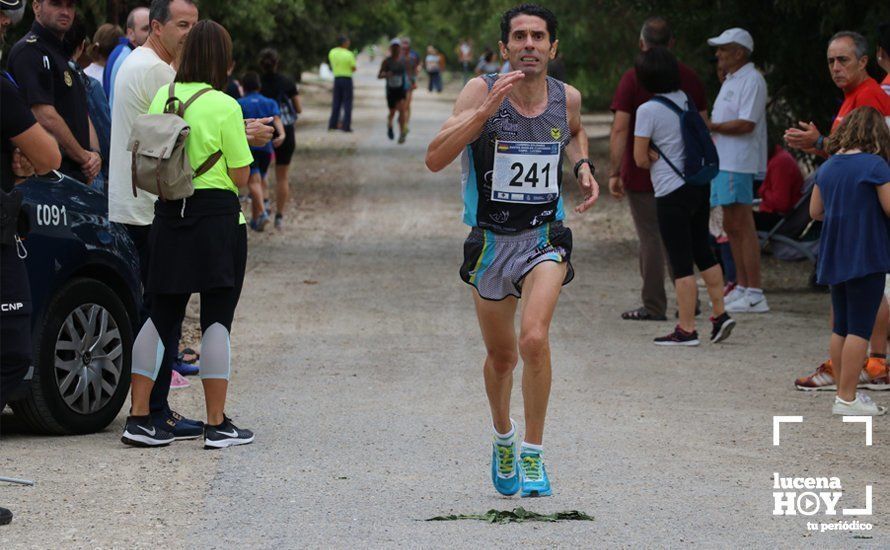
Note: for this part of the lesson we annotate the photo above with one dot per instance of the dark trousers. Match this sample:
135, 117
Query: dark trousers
342, 101
652, 253
161, 391
15, 322
435, 81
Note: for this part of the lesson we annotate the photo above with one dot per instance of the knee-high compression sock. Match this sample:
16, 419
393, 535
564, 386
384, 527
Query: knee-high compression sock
148, 351
216, 353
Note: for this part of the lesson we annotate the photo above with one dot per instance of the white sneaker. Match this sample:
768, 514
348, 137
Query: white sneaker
733, 295
751, 303
861, 406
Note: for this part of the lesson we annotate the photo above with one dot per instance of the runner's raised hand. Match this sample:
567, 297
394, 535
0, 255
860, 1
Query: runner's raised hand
499, 91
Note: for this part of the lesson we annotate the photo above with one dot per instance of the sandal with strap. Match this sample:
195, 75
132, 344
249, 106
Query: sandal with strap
641, 314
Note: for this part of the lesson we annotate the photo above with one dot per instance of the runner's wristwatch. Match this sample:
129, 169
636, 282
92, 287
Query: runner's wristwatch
578, 167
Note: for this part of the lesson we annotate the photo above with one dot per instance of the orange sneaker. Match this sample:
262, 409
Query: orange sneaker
876, 372
821, 380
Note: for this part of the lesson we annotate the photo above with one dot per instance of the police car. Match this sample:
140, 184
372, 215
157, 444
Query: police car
86, 296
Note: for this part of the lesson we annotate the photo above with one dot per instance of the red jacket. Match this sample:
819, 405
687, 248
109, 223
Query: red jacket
781, 189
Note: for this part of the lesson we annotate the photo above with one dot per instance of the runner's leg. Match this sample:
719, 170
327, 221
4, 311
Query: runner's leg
499, 335
540, 292
255, 185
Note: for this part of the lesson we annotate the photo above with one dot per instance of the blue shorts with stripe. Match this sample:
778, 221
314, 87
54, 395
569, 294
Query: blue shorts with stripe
732, 188
496, 263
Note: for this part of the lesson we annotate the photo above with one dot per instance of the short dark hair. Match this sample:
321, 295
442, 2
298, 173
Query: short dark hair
206, 55
160, 10
251, 82
268, 60
884, 36
656, 31
528, 9
658, 70
74, 37
342, 39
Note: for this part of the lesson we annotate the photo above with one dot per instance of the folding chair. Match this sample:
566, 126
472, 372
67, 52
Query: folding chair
796, 230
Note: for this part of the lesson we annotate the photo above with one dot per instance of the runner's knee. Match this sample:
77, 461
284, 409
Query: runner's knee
533, 342
503, 362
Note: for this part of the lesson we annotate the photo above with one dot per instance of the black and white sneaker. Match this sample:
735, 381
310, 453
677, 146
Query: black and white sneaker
721, 327
225, 435
141, 432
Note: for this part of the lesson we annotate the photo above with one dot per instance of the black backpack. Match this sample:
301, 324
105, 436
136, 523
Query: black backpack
702, 163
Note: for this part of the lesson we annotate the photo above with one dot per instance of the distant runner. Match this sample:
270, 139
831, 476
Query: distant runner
394, 71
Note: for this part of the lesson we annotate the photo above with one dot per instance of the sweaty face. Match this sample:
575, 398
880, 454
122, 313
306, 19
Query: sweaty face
528, 47
55, 15
139, 34
173, 33
846, 70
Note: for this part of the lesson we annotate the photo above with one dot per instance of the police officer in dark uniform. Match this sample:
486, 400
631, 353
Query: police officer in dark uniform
24, 147
39, 63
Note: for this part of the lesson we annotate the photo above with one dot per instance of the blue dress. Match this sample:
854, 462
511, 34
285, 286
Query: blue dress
855, 238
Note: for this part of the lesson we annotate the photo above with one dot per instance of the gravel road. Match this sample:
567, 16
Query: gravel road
357, 361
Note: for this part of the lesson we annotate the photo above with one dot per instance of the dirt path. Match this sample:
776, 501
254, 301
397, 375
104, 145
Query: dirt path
357, 362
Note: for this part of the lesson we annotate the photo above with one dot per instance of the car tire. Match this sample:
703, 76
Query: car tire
96, 317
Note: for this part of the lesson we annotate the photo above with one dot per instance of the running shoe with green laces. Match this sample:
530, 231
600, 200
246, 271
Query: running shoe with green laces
505, 465
535, 482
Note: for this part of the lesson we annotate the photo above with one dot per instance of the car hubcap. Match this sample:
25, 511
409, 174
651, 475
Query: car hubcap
88, 358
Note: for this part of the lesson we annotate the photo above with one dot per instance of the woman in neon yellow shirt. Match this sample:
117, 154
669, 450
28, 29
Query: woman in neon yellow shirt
198, 244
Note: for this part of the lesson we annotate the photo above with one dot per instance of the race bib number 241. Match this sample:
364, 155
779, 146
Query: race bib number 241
525, 172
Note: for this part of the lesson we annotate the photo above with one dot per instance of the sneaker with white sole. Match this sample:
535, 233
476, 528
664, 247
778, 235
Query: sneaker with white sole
821, 380
721, 327
861, 406
225, 435
678, 338
751, 303
139, 431
735, 294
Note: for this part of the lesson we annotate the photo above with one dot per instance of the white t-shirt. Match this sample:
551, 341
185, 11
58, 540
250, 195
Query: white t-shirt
140, 77
742, 97
662, 125
96, 71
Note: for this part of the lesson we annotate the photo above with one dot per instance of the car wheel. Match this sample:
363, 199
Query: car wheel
82, 361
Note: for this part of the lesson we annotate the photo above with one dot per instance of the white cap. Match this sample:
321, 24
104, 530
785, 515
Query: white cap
734, 35
395, 42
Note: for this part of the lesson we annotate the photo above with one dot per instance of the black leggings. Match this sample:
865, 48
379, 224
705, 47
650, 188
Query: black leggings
856, 304
683, 221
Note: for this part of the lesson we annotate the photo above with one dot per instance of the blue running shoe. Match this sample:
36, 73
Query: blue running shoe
180, 427
185, 369
505, 465
535, 482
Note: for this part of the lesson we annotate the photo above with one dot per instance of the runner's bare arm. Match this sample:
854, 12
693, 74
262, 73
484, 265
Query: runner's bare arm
577, 150
474, 106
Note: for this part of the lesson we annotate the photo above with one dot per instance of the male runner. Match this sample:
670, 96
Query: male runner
513, 132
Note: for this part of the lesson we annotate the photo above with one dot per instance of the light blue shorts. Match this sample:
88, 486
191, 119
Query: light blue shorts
732, 188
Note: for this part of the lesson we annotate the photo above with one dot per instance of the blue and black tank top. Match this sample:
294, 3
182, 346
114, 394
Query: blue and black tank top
512, 174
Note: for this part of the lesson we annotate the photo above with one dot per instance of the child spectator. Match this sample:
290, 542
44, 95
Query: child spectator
256, 105
682, 208
852, 196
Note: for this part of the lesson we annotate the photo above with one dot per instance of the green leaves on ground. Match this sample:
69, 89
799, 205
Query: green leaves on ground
517, 515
